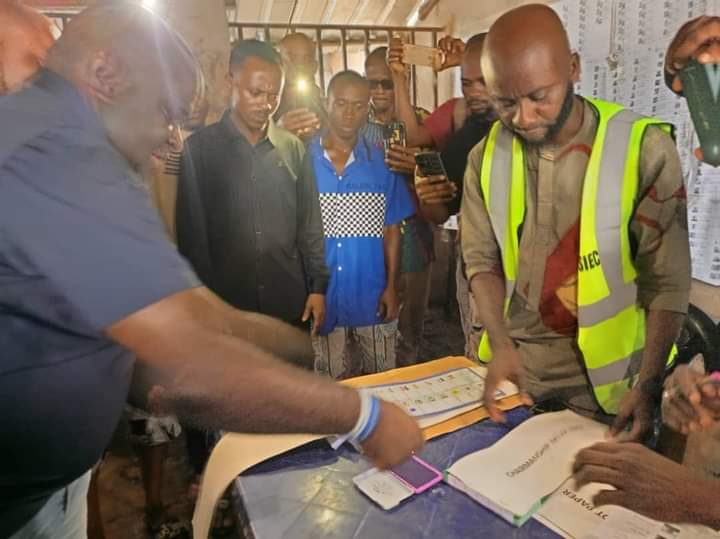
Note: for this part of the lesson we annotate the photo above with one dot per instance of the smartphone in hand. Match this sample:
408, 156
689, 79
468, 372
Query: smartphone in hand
423, 56
430, 164
395, 133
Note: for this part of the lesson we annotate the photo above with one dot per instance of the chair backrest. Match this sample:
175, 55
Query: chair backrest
699, 335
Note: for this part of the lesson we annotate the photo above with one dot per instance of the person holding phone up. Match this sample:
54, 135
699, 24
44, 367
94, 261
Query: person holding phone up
301, 110
417, 247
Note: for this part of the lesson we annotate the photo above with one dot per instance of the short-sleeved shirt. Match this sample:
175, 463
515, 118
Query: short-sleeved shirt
356, 206
81, 248
441, 123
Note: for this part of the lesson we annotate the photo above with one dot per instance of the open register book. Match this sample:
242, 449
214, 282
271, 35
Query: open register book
517, 474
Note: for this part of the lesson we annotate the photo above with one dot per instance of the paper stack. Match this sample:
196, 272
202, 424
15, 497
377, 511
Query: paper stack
517, 474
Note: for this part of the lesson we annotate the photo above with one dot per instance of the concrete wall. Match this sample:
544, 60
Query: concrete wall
204, 25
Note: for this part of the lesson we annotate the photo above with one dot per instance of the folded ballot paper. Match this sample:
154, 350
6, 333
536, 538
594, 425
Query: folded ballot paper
518, 473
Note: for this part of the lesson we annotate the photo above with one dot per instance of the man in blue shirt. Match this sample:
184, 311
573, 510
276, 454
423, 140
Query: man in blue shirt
362, 205
89, 283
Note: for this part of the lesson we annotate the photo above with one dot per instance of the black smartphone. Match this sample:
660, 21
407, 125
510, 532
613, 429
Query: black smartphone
430, 164
394, 134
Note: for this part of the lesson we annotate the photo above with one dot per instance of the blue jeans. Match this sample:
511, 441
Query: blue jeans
64, 516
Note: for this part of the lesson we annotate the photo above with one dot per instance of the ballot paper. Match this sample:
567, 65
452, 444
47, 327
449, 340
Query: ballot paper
515, 476
435, 399
569, 511
454, 390
235, 453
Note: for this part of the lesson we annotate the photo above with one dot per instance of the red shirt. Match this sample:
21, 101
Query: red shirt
440, 123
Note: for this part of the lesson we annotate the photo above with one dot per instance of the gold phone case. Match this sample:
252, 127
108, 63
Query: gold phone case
422, 55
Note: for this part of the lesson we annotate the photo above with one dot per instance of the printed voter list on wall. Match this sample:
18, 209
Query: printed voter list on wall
622, 46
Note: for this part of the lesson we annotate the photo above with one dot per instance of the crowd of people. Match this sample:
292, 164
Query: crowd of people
225, 276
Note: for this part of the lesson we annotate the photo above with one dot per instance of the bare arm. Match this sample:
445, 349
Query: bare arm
269, 334
389, 304
417, 134
649, 484
191, 364
435, 213
431, 198
434, 194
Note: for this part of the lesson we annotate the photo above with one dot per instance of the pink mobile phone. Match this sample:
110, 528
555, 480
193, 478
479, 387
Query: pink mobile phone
417, 474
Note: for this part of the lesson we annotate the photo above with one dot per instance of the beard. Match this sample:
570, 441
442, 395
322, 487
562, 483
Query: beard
560, 120
563, 115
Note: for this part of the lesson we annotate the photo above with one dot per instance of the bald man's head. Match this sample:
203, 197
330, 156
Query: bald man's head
135, 70
298, 56
25, 37
530, 72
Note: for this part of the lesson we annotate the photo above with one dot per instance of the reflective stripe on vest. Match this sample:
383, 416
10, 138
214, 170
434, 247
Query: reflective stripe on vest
611, 326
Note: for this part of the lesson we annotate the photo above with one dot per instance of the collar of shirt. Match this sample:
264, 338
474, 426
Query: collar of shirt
66, 92
272, 133
361, 152
326, 155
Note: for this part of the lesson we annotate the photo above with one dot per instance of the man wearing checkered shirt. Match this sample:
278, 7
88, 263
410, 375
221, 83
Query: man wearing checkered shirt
362, 204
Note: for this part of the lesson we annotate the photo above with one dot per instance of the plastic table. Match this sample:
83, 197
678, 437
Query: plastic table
308, 493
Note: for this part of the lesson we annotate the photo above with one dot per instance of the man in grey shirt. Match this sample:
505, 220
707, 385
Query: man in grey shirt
95, 303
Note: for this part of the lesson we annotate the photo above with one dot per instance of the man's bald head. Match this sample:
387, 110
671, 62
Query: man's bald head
25, 37
136, 72
530, 70
531, 34
141, 42
298, 56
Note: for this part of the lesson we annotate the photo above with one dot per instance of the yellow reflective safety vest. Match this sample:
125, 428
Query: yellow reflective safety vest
611, 325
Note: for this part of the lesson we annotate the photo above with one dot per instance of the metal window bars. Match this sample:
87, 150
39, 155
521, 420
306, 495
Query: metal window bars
345, 38
329, 38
